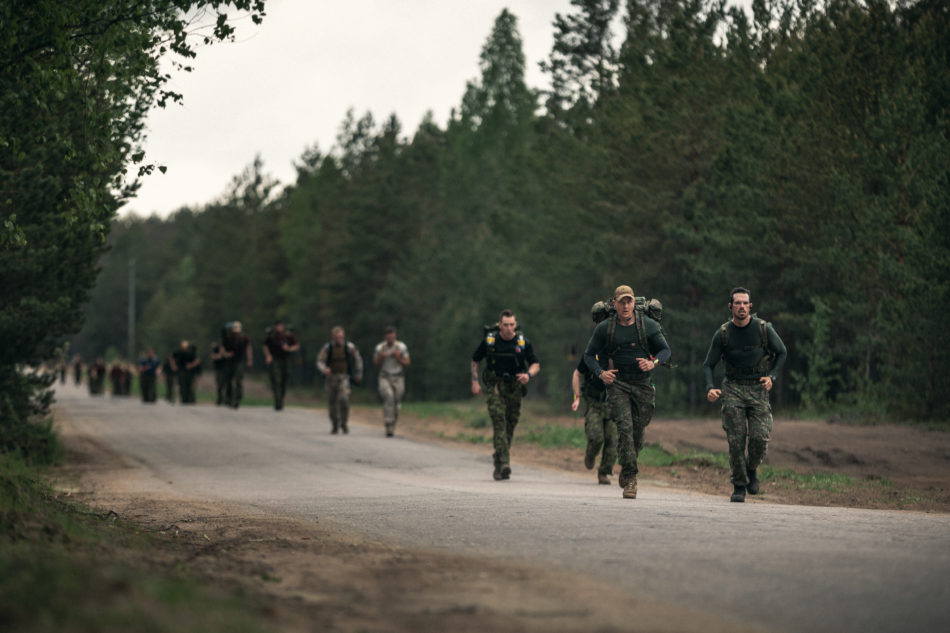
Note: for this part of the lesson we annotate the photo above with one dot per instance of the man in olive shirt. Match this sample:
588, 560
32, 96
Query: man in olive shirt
633, 345
754, 355
510, 364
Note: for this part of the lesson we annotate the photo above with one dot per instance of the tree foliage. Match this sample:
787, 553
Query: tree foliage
800, 151
77, 81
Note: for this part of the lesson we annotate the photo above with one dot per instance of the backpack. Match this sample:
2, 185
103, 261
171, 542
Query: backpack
652, 308
763, 365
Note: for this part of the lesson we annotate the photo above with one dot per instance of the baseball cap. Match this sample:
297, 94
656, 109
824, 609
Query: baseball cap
623, 291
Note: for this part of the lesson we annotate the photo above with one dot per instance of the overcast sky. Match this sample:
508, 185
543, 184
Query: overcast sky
287, 84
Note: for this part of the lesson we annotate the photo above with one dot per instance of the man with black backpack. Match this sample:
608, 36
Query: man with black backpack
753, 355
599, 428
510, 364
340, 362
633, 345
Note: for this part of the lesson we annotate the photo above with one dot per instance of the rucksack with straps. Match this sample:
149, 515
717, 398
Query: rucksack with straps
652, 308
763, 366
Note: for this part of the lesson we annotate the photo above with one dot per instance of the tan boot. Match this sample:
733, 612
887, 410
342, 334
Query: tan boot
603, 479
630, 490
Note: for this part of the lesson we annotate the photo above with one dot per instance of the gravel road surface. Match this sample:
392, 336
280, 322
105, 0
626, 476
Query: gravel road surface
774, 567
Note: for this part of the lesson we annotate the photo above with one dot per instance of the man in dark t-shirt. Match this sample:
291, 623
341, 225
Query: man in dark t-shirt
278, 346
237, 351
753, 355
510, 365
633, 345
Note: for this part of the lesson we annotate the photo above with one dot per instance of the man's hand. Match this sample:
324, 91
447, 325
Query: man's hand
608, 376
576, 404
326, 372
713, 394
766, 382
268, 359
523, 377
646, 364
476, 388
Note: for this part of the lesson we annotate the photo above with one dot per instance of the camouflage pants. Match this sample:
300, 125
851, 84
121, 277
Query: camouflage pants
504, 407
601, 432
391, 389
278, 372
338, 399
631, 404
234, 382
746, 417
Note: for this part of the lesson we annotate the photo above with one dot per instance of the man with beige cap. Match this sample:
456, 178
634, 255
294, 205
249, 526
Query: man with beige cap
237, 352
634, 346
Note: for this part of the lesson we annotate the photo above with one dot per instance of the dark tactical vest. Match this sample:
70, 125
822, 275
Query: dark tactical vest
763, 366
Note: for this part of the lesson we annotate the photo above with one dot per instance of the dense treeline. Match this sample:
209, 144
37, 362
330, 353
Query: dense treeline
77, 80
800, 151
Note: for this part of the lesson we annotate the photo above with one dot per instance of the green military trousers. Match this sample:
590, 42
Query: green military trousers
234, 382
338, 401
278, 371
746, 418
504, 408
601, 432
631, 405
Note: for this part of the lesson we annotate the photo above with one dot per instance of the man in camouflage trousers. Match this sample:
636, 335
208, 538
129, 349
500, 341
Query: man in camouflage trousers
599, 428
510, 364
634, 346
753, 355
340, 362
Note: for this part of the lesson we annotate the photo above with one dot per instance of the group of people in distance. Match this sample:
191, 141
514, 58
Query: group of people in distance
339, 361
614, 382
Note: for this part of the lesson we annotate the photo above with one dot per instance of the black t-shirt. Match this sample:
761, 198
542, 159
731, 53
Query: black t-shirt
185, 356
509, 357
275, 341
237, 345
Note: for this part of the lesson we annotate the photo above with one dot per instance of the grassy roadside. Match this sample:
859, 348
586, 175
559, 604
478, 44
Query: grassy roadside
65, 569
558, 440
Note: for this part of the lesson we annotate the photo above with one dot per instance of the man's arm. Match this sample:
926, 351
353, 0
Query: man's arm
322, 361
712, 359
403, 355
268, 358
659, 350
357, 361
250, 353
596, 344
576, 388
476, 386
781, 353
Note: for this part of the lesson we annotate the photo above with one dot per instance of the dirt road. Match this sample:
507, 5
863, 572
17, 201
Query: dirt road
419, 536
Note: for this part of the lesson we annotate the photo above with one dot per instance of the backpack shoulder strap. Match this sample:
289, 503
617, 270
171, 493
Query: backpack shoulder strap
724, 334
641, 330
611, 329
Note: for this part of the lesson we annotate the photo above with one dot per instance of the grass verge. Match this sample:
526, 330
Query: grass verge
66, 569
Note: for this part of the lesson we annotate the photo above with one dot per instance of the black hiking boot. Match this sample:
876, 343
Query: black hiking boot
506, 472
753, 487
738, 495
497, 474
589, 461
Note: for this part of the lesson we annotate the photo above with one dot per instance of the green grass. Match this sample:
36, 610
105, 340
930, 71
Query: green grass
551, 436
65, 569
656, 455
472, 414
